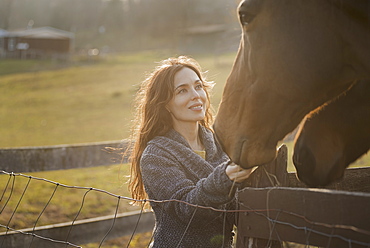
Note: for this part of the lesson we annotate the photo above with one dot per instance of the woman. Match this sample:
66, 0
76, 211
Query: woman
176, 160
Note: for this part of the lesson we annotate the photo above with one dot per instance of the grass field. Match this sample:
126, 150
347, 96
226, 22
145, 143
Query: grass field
46, 103
82, 103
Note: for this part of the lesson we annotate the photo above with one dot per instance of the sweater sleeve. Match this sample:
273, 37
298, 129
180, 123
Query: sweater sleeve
165, 179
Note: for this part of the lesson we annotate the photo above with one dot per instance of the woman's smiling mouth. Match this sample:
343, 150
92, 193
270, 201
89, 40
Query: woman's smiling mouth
196, 107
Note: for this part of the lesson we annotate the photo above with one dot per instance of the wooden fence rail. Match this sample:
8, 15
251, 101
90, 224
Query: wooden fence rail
60, 157
277, 206
317, 217
320, 217
83, 231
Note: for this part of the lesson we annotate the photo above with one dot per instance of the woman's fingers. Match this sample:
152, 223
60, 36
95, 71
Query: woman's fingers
237, 173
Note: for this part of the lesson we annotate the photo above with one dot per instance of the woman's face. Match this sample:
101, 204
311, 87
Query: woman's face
189, 102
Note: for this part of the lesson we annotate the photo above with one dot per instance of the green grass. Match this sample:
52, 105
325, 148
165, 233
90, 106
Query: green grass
15, 66
84, 103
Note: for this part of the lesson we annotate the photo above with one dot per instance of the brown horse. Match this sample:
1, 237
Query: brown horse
294, 56
334, 137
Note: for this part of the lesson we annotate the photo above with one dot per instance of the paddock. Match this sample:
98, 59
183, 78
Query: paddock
274, 209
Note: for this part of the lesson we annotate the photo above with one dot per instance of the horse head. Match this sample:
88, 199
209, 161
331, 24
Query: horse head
333, 137
294, 56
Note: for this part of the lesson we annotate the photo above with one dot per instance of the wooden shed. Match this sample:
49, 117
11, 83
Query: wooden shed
43, 42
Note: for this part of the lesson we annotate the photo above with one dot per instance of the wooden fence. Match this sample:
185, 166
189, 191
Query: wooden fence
61, 157
275, 207
279, 208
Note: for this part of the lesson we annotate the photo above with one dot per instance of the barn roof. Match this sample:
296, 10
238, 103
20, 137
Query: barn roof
42, 33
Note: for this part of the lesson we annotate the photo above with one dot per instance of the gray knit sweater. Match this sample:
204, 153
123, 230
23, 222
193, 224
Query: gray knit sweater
172, 170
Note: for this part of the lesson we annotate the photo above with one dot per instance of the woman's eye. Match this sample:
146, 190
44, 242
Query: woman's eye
181, 91
199, 86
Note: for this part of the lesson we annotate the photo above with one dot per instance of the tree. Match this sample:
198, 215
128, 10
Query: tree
5, 12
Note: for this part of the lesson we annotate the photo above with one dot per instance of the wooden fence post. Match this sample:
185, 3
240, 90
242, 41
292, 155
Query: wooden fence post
268, 175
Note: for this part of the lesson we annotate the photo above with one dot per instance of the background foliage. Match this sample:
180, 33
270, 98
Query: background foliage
119, 25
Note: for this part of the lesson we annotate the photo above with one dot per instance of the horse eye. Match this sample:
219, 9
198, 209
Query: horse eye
248, 9
245, 18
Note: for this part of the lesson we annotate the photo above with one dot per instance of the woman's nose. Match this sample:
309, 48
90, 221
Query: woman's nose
195, 94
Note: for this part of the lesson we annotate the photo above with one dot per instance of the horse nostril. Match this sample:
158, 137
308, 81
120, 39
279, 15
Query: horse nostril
304, 160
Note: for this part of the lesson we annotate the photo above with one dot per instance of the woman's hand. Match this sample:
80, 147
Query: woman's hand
237, 173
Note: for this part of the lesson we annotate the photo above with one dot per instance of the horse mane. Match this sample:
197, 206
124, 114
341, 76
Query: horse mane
359, 88
321, 108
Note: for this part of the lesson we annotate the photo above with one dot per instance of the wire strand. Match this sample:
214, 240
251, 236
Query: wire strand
137, 223
42, 211
111, 227
266, 213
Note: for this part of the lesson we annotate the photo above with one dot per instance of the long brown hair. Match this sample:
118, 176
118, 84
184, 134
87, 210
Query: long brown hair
152, 119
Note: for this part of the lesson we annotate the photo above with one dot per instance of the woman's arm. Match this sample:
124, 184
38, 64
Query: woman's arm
164, 179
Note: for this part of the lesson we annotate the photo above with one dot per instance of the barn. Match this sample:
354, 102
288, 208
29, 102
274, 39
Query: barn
36, 43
